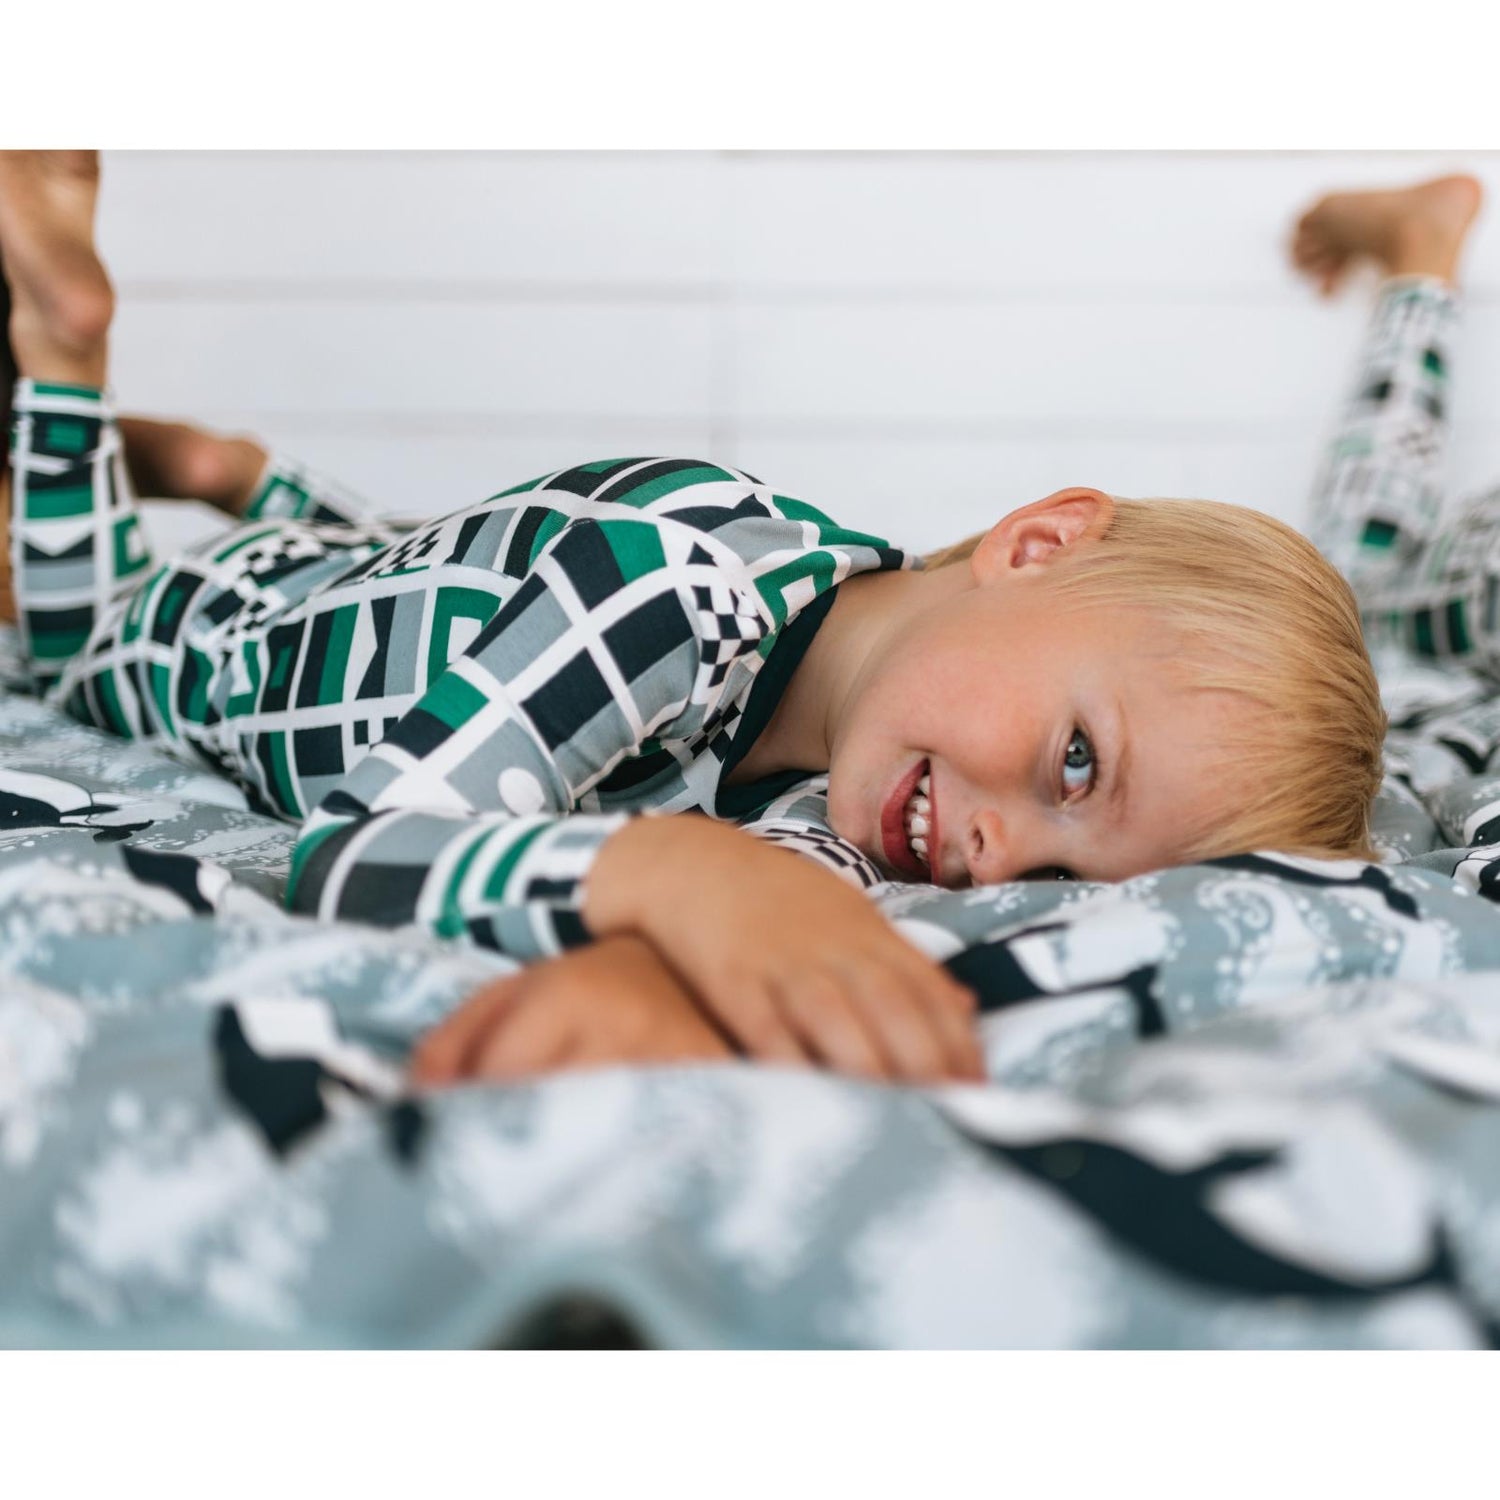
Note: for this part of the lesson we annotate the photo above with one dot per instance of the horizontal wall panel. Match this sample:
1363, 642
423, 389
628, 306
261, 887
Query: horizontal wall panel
486, 217
422, 474
1146, 223
949, 223
430, 474
172, 525
921, 494
1053, 362
927, 493
970, 329
418, 357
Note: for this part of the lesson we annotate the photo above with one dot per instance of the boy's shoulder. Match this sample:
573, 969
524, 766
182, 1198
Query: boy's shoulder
735, 508
721, 540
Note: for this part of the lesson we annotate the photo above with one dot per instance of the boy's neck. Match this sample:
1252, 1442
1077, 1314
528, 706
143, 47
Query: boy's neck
869, 610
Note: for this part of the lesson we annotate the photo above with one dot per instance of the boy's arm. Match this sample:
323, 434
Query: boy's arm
707, 934
464, 818
792, 961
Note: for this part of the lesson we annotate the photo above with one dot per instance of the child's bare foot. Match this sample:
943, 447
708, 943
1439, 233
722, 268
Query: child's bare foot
61, 298
173, 461
1412, 231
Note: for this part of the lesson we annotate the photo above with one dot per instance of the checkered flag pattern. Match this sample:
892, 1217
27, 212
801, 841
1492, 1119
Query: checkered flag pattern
798, 820
730, 620
463, 710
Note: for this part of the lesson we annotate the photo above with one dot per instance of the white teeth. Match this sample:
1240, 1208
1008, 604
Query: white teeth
918, 821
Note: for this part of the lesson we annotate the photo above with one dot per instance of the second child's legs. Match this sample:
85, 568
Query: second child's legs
1378, 512
61, 298
75, 543
75, 539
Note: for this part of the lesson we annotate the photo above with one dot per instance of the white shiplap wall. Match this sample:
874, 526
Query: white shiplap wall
915, 342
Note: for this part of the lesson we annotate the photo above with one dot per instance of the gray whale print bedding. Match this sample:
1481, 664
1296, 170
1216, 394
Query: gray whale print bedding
1249, 1103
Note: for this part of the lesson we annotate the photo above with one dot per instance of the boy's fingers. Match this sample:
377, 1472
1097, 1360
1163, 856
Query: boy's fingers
531, 1039
963, 1053
476, 1038
759, 1025
832, 1029
948, 1009
441, 1055
589, 1050
586, 1050
954, 993
904, 1021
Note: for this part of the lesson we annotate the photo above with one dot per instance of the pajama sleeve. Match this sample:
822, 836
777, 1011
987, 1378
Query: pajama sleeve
465, 818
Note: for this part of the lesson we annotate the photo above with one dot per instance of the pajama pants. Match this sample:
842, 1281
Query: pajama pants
1426, 572
131, 645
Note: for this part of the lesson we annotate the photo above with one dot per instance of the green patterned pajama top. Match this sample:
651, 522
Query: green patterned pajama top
461, 712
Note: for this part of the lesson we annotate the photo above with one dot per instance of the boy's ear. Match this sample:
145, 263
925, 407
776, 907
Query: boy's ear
1034, 534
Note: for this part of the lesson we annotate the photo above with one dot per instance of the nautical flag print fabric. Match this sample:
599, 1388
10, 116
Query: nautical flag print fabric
461, 711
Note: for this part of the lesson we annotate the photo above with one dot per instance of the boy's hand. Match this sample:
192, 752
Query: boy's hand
614, 1001
795, 964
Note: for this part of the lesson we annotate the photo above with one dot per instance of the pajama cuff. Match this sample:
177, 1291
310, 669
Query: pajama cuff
524, 896
57, 398
1417, 280
1418, 296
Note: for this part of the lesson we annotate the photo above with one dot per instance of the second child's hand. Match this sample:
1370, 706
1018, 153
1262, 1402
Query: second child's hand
795, 965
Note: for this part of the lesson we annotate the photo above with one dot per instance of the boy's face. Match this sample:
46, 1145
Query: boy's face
1053, 741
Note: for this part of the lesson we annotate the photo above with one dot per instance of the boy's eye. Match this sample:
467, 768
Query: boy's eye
1048, 872
1079, 764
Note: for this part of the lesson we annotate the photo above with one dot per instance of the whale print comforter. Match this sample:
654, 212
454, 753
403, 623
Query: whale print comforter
1249, 1103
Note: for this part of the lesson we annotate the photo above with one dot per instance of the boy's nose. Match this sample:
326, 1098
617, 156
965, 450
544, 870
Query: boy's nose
986, 849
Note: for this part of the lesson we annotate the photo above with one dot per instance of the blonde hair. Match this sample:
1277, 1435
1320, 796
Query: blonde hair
1259, 613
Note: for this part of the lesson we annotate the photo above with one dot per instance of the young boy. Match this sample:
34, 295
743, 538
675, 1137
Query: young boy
470, 714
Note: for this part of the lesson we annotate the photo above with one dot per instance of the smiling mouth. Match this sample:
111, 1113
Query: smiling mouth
908, 829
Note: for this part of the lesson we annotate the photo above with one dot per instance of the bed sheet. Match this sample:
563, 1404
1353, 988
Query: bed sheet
1245, 1103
